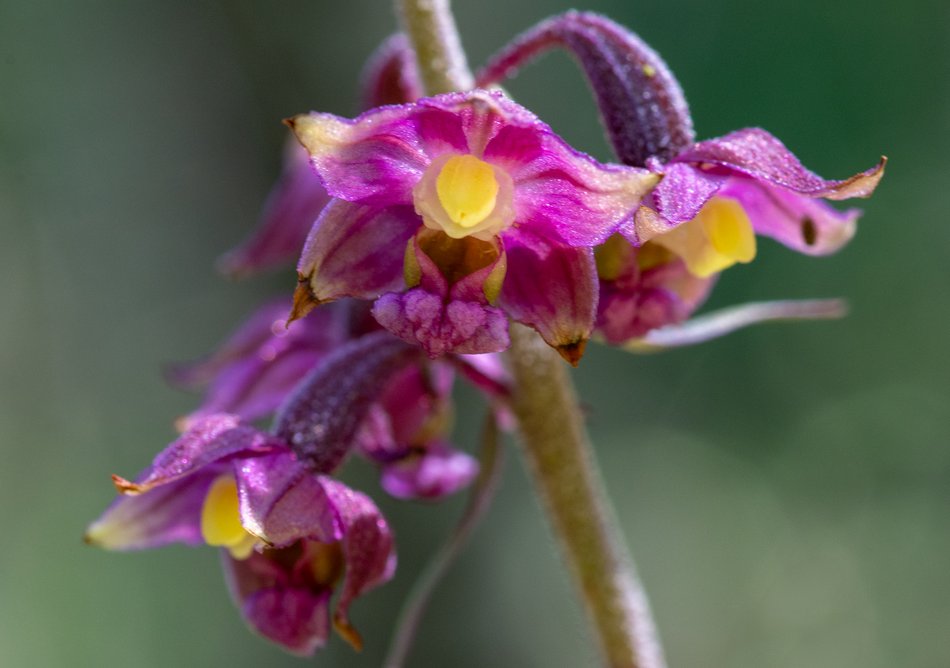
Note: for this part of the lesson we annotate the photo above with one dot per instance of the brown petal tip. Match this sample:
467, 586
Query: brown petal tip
348, 632
304, 299
126, 486
572, 352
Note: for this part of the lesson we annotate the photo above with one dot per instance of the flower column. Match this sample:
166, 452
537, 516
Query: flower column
555, 442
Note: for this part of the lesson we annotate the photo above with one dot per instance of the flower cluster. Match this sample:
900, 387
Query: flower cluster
432, 224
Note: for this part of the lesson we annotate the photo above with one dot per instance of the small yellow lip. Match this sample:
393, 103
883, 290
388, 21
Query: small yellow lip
467, 190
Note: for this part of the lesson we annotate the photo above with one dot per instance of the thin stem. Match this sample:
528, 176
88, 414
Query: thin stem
431, 28
490, 460
555, 442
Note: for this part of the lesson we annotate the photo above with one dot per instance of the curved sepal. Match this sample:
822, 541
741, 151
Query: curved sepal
320, 419
641, 103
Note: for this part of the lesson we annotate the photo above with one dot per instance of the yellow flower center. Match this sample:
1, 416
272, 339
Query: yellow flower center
718, 237
464, 196
221, 519
467, 189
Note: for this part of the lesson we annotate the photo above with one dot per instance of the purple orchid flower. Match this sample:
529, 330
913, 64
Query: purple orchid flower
405, 434
713, 199
476, 206
291, 533
298, 197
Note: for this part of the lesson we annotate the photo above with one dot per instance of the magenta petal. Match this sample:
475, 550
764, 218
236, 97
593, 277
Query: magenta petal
684, 190
368, 549
293, 616
294, 203
282, 502
436, 472
562, 191
758, 154
374, 159
207, 440
552, 288
803, 224
166, 514
356, 251
421, 317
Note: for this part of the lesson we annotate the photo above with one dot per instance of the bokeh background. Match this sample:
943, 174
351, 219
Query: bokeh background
784, 490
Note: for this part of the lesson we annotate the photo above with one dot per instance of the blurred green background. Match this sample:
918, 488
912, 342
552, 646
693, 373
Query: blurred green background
784, 490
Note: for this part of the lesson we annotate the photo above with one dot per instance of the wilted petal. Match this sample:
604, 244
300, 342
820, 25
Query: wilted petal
727, 320
166, 514
355, 251
390, 75
432, 473
553, 289
803, 224
756, 153
294, 203
209, 439
368, 550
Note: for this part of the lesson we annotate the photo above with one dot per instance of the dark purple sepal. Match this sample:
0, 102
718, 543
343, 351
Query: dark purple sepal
354, 251
552, 288
390, 75
320, 419
641, 103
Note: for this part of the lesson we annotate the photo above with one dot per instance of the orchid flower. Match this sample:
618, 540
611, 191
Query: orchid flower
291, 533
457, 212
714, 197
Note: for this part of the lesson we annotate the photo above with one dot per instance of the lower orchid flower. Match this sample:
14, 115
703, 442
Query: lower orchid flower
290, 532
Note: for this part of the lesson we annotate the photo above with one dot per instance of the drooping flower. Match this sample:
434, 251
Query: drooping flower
472, 204
290, 532
714, 196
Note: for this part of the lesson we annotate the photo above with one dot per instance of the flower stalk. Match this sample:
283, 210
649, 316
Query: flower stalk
562, 465
556, 446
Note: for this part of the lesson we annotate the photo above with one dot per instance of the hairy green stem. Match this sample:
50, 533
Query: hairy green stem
561, 462
431, 28
556, 446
